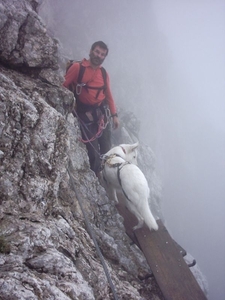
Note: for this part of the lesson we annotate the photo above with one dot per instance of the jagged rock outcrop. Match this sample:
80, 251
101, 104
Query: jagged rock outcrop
46, 251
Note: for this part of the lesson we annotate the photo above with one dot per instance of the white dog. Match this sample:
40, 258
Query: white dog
122, 174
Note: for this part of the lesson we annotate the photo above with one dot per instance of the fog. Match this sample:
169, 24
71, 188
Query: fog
194, 186
167, 64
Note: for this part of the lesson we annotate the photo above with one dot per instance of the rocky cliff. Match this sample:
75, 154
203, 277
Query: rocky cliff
46, 247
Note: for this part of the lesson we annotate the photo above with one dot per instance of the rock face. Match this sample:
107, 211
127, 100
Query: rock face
24, 41
46, 251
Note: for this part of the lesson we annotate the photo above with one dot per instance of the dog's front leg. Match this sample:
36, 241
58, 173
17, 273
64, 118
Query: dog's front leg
112, 193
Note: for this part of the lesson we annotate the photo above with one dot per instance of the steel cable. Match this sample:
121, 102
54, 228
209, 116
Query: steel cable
91, 232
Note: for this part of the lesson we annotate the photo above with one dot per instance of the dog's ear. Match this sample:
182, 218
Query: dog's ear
134, 146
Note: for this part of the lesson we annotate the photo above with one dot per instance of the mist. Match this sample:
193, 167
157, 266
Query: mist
193, 166
167, 65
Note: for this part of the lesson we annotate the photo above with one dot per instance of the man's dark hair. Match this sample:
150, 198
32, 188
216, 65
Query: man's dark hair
101, 45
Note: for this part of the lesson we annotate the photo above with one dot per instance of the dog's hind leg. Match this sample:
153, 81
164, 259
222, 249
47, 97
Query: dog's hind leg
134, 211
139, 225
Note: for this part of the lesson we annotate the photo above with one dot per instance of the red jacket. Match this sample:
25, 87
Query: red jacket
92, 77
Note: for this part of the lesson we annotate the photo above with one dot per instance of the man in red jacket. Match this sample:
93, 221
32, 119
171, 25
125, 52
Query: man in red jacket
90, 84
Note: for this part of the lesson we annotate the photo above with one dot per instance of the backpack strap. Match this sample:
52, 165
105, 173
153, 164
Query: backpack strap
104, 75
81, 73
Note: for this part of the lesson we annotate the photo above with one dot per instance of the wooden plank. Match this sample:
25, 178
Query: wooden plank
181, 250
130, 221
165, 258
170, 270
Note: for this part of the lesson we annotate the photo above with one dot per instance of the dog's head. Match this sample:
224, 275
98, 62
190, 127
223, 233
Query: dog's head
130, 152
126, 151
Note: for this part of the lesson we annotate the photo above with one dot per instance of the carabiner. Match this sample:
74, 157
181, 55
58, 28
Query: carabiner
79, 88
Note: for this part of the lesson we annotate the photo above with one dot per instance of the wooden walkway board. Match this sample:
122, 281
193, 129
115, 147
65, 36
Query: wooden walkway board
130, 221
165, 258
171, 272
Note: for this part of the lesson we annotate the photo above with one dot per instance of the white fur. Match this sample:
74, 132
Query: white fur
127, 151
133, 184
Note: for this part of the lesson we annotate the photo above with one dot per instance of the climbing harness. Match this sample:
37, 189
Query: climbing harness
119, 178
86, 86
94, 114
103, 122
106, 160
80, 84
101, 127
91, 232
119, 166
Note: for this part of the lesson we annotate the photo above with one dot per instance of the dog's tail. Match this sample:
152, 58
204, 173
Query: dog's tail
149, 218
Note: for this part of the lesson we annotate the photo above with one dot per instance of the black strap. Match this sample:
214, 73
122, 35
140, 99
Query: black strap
119, 167
104, 76
81, 73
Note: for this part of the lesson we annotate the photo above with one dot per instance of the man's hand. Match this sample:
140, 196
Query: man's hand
115, 122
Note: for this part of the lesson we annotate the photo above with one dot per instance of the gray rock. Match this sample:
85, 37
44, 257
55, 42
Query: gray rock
24, 41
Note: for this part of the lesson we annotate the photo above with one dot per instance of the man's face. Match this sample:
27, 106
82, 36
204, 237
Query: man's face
97, 56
